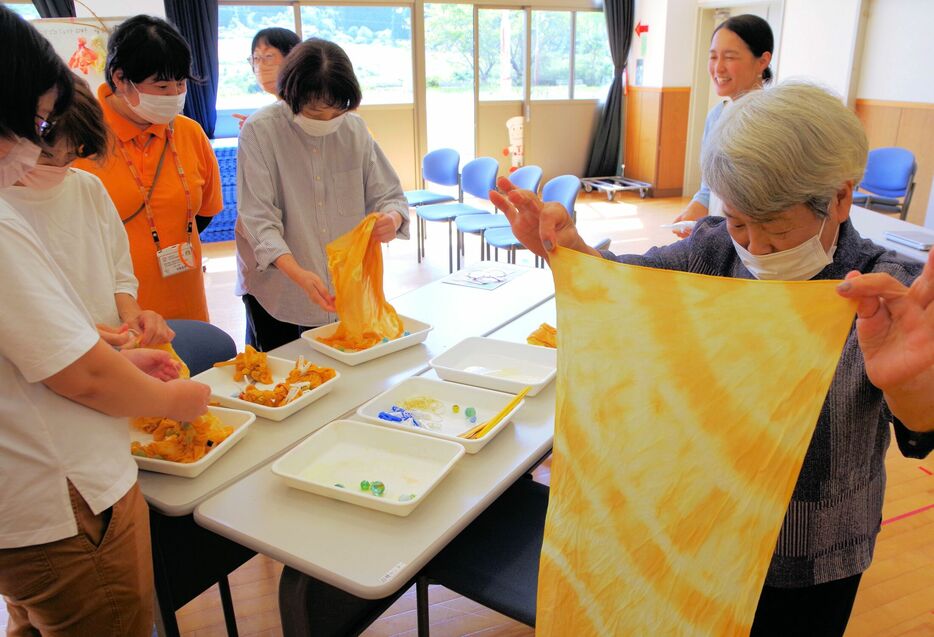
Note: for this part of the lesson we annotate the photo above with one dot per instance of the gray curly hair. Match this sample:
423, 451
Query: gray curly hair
779, 147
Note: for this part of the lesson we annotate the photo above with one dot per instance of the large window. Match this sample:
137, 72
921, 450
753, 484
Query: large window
25, 9
593, 67
449, 77
551, 55
237, 25
378, 41
501, 63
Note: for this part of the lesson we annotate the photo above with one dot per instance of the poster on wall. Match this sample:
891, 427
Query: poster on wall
81, 43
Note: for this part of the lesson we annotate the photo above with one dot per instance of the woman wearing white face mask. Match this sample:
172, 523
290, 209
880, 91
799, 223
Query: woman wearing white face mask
740, 54
74, 217
74, 527
307, 172
784, 162
162, 174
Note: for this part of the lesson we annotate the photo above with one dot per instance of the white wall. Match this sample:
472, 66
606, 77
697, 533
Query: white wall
898, 52
679, 43
120, 8
655, 14
819, 42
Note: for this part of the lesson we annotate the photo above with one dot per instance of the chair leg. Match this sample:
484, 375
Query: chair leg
422, 609
451, 250
459, 248
418, 234
496, 253
481, 235
230, 618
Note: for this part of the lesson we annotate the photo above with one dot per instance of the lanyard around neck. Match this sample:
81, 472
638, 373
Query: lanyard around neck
147, 205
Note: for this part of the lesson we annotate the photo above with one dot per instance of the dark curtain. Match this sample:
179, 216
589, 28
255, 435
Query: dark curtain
605, 150
197, 21
55, 8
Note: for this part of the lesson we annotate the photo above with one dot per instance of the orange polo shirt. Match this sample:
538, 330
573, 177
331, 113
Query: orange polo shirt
180, 295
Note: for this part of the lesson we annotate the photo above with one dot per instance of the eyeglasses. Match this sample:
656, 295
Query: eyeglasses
269, 59
43, 126
487, 276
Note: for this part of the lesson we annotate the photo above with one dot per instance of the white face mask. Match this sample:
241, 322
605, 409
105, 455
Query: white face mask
799, 263
319, 127
44, 177
157, 109
17, 157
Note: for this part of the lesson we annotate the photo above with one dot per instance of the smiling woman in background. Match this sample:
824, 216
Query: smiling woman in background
162, 173
740, 54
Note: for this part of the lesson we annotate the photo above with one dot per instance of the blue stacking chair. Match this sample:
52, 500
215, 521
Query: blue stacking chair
478, 178
527, 178
888, 182
562, 189
438, 167
442, 167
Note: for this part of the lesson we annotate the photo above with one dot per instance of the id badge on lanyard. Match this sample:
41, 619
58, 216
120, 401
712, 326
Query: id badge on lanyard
175, 259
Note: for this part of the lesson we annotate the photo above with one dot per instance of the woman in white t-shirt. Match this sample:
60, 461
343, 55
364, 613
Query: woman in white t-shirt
79, 225
74, 534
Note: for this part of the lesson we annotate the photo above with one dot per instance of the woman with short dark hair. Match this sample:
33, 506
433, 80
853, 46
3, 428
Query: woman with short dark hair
74, 527
162, 174
308, 171
267, 53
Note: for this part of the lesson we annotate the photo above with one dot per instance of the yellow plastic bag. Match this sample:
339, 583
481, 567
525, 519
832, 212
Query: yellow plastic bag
356, 266
685, 406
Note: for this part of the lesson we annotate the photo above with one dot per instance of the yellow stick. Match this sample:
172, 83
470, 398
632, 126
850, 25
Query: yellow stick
488, 425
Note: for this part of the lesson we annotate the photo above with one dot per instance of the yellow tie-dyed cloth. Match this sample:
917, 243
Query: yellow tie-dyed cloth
356, 266
685, 406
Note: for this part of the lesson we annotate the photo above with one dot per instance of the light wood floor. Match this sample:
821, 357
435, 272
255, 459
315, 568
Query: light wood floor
896, 597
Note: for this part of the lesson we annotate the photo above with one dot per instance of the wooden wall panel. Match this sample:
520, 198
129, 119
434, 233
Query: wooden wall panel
642, 121
656, 137
909, 125
673, 132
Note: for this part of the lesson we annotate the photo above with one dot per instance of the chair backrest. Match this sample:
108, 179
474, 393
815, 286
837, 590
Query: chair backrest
201, 344
479, 177
441, 166
889, 172
527, 178
563, 189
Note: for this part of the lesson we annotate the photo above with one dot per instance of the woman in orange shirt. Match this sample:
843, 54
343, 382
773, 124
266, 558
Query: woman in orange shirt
162, 174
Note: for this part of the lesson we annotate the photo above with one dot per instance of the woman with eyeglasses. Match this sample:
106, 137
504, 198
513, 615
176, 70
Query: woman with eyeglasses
162, 174
74, 217
74, 527
308, 171
269, 48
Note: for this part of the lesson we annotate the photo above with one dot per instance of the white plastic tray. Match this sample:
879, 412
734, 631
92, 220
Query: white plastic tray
499, 365
346, 452
239, 420
417, 332
226, 390
448, 424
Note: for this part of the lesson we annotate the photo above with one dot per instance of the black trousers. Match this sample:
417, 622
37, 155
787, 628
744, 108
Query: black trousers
264, 332
813, 611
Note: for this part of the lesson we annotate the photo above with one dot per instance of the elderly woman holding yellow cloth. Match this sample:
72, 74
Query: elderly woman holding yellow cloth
784, 162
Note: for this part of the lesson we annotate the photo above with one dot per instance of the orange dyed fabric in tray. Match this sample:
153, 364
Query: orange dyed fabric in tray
356, 266
685, 406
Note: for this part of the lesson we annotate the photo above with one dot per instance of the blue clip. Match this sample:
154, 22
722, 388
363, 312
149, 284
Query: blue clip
385, 415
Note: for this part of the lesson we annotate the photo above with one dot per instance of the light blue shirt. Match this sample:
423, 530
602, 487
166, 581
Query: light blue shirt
703, 195
297, 193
